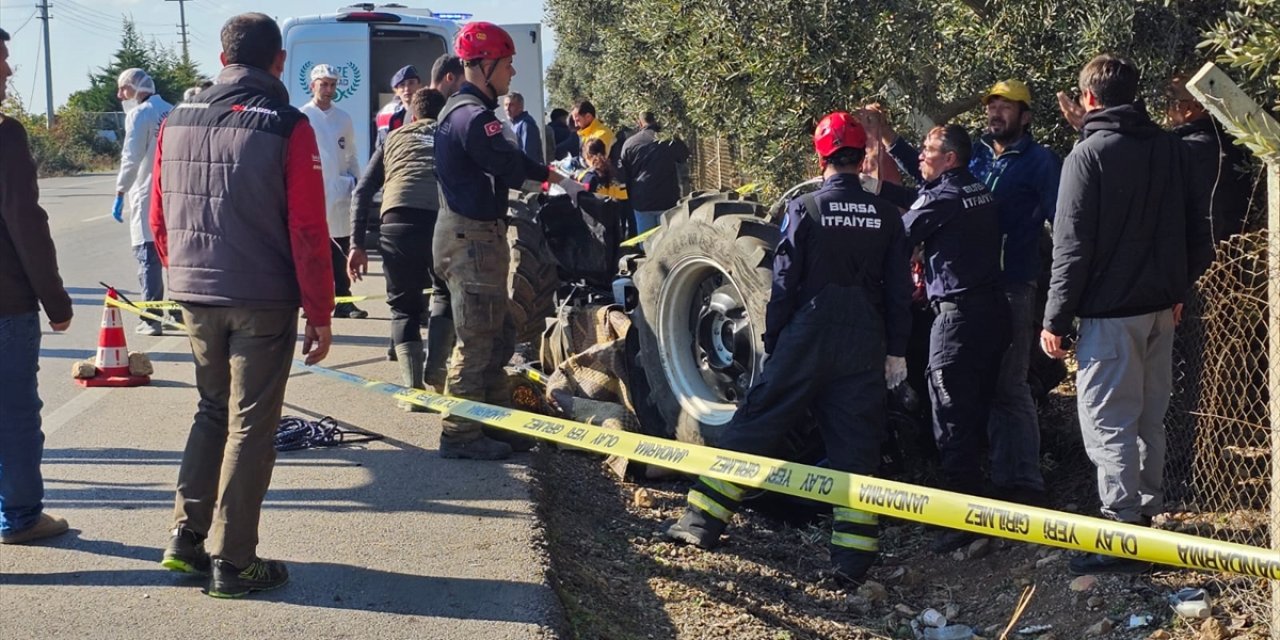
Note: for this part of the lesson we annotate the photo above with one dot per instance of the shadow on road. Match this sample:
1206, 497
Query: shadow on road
354, 479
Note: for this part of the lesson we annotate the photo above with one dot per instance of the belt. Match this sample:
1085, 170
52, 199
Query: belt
959, 300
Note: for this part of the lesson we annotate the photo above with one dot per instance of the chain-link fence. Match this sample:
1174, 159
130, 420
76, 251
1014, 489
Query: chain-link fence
1218, 474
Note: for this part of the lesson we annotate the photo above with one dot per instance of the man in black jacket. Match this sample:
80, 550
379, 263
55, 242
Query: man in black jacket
649, 164
1215, 161
1130, 238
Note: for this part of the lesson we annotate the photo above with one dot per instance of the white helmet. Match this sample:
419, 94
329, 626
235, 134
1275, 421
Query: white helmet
138, 80
324, 71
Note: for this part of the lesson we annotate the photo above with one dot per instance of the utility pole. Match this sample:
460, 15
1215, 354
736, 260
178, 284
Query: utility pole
182, 15
48, 65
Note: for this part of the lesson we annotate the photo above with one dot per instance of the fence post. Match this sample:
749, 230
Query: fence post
1273, 364
1245, 119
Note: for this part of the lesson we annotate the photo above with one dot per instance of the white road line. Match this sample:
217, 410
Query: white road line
85, 400
97, 218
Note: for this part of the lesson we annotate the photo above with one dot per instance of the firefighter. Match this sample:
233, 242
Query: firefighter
836, 330
957, 220
476, 165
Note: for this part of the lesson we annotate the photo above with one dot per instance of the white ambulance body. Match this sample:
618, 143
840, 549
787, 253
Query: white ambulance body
367, 43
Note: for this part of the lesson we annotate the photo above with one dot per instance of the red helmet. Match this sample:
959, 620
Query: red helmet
837, 131
483, 41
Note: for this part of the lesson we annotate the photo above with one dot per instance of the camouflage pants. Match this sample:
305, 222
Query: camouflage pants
473, 258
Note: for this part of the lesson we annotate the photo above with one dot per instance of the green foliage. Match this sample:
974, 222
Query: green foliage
1248, 40
172, 75
761, 73
73, 144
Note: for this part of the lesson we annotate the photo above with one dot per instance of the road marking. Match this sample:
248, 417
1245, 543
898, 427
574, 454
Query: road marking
85, 400
97, 218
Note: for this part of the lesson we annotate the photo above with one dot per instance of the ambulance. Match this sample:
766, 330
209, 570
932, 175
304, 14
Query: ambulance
367, 43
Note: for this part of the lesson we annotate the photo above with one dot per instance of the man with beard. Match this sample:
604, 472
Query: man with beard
1023, 176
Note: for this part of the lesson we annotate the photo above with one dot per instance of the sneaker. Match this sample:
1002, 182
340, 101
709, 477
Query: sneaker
481, 448
148, 329
46, 527
349, 310
696, 529
951, 539
1091, 563
185, 553
228, 581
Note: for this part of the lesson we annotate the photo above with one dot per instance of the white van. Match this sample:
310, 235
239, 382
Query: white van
367, 43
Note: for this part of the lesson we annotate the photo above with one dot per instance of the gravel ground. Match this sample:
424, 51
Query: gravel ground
618, 578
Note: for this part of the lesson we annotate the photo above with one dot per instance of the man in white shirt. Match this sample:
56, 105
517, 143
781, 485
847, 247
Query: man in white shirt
146, 110
336, 139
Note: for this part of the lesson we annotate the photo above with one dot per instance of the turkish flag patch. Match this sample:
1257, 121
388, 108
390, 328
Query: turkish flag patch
493, 128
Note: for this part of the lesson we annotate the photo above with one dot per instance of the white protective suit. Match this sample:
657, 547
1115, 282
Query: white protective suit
336, 138
137, 159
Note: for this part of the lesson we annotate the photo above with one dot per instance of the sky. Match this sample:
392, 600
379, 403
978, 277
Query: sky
83, 34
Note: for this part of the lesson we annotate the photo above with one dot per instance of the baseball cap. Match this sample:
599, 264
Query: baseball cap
406, 72
1013, 90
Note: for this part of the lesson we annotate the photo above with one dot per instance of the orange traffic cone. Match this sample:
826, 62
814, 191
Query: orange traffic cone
112, 363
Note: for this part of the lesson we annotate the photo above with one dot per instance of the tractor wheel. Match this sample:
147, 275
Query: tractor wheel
533, 280
702, 294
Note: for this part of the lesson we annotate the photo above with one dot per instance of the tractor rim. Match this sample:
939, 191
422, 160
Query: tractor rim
706, 341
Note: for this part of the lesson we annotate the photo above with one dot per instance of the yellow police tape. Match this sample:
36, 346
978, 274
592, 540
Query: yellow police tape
886, 497
169, 304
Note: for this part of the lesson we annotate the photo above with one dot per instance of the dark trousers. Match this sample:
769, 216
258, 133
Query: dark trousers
966, 345
339, 248
242, 365
829, 362
407, 258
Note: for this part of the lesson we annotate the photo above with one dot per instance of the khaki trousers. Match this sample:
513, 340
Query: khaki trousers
242, 364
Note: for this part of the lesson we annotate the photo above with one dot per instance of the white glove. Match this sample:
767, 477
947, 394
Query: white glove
895, 371
573, 188
869, 184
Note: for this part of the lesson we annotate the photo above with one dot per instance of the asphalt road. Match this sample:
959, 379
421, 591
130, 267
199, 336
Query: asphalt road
383, 540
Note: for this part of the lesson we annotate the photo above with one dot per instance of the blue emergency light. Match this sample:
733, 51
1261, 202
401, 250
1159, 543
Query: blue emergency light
456, 17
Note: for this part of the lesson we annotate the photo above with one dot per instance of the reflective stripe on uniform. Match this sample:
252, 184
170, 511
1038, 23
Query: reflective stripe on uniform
726, 489
854, 541
705, 503
854, 516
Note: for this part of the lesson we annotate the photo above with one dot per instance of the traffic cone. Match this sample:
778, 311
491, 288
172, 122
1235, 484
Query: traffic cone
112, 364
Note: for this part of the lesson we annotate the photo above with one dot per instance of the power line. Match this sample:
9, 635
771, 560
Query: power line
24, 23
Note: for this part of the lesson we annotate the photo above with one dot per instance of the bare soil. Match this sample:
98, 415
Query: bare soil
619, 579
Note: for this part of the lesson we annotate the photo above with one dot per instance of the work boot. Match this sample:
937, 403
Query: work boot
482, 448
349, 310
519, 443
185, 553
410, 358
46, 526
440, 340
1091, 563
230, 581
948, 540
697, 528
849, 568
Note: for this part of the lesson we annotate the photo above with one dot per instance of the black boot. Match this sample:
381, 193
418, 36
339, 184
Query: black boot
697, 528
440, 340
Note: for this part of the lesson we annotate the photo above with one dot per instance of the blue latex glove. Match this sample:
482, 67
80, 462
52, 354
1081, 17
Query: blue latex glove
117, 210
